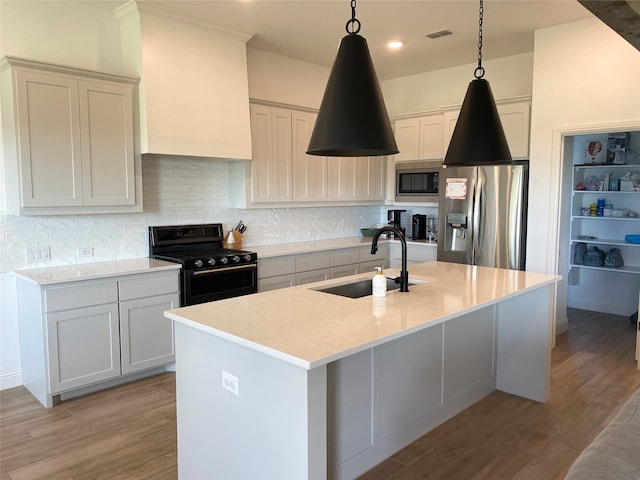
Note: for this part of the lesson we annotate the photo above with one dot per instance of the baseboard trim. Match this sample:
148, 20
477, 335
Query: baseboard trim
617, 309
10, 379
562, 325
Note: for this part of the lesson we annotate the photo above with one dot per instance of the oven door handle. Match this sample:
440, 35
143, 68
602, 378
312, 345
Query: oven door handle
224, 269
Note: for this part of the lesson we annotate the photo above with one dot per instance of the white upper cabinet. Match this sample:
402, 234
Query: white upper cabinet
309, 171
194, 92
420, 138
68, 141
271, 166
283, 173
343, 174
515, 118
371, 178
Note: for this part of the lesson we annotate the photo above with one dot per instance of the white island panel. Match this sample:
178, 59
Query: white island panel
331, 386
274, 428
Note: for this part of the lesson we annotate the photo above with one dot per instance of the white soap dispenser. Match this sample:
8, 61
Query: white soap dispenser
379, 286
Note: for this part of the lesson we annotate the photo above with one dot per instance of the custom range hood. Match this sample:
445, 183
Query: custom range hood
194, 89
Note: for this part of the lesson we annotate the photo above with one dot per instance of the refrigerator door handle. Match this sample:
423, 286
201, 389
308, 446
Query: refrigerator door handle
477, 217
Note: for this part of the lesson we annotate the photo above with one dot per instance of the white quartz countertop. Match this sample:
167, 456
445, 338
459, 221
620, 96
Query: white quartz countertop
281, 249
309, 328
92, 271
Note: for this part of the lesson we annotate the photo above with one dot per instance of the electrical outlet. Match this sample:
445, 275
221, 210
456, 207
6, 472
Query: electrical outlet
230, 382
85, 252
45, 253
36, 254
31, 254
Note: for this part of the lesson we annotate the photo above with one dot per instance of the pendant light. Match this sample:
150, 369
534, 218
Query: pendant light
478, 137
352, 120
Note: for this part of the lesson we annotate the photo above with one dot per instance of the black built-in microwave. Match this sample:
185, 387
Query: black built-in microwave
416, 182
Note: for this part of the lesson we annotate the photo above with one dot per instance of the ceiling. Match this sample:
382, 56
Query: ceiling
310, 30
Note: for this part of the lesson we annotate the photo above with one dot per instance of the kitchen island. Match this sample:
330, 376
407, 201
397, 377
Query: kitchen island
298, 383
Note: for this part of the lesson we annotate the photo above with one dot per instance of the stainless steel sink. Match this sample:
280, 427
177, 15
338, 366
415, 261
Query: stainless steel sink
361, 288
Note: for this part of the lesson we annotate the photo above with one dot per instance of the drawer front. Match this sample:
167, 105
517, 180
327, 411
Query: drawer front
313, 276
276, 282
344, 257
81, 295
312, 261
365, 253
273, 267
148, 286
344, 271
370, 266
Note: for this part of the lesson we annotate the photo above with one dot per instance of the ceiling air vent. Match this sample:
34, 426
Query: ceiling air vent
438, 34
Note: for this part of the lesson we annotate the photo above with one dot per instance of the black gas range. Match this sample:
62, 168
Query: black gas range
209, 271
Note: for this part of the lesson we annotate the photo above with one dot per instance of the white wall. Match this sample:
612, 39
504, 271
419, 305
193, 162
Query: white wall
76, 34
584, 76
285, 80
508, 77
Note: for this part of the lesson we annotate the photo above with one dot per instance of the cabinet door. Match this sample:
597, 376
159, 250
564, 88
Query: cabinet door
431, 137
342, 179
407, 133
309, 171
371, 178
48, 126
450, 120
313, 276
146, 335
343, 271
271, 165
83, 346
106, 116
277, 282
515, 123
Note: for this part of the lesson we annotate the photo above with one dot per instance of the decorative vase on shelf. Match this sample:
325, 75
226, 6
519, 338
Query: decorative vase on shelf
619, 157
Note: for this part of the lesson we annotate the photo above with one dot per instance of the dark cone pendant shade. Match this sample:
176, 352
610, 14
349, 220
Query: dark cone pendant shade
353, 120
478, 138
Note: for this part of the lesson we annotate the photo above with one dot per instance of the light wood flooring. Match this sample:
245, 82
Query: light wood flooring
129, 432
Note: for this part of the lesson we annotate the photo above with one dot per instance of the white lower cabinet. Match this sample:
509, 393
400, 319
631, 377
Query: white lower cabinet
274, 283
83, 346
146, 337
81, 333
276, 272
289, 270
312, 276
389, 392
416, 253
343, 271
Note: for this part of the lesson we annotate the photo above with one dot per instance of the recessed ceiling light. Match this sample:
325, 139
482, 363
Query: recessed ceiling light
395, 44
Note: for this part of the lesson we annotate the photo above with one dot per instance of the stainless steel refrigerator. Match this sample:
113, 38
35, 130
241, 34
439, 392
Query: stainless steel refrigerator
483, 215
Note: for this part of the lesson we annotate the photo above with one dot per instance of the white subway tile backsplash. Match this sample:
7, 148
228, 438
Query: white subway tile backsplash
177, 190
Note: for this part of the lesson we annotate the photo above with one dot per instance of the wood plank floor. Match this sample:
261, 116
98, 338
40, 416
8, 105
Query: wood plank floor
129, 432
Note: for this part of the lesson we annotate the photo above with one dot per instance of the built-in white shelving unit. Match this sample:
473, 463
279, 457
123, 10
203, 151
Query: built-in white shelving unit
609, 231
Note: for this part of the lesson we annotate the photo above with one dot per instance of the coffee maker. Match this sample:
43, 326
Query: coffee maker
419, 230
395, 219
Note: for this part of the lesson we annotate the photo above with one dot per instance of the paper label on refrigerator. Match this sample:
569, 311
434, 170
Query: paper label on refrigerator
456, 188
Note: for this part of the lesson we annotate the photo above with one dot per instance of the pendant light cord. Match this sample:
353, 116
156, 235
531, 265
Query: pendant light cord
479, 71
354, 23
